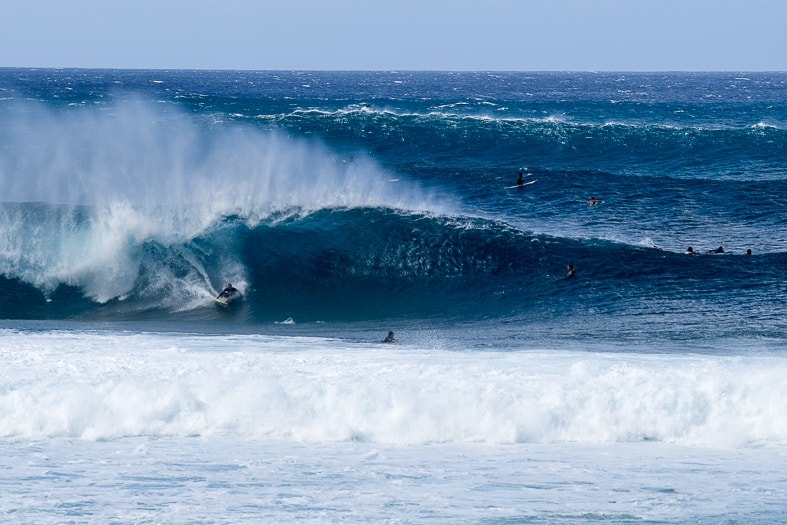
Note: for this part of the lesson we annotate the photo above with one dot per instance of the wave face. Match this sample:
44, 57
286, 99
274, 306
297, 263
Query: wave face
368, 196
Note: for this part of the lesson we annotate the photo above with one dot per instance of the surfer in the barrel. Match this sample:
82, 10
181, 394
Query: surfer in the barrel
227, 291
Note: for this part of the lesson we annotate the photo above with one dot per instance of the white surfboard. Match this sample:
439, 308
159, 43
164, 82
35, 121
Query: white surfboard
227, 298
528, 183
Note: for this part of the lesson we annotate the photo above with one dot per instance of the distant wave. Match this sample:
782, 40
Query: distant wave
633, 142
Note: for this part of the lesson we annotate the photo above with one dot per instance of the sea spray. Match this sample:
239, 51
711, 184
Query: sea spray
140, 174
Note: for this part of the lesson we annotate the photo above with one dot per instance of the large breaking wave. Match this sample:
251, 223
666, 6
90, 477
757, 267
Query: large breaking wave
117, 210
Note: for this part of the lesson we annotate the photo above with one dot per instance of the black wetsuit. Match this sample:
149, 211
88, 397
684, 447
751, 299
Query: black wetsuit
226, 292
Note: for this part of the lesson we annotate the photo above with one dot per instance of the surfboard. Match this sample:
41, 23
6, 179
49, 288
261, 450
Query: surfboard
227, 298
528, 183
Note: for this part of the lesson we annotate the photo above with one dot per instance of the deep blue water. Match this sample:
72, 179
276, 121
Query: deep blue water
358, 197
647, 388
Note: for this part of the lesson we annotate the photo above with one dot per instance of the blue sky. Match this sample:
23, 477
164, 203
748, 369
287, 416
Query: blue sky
524, 35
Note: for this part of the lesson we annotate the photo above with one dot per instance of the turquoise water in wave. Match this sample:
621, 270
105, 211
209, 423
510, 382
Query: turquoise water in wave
646, 389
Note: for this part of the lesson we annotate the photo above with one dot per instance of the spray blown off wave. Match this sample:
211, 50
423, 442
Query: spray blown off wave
198, 169
92, 192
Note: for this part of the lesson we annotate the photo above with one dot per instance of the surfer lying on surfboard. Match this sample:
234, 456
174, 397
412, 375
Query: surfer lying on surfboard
593, 201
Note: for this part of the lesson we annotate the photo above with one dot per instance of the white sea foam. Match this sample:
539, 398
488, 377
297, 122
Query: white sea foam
106, 386
129, 427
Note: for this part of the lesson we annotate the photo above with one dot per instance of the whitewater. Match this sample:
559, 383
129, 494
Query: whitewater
647, 388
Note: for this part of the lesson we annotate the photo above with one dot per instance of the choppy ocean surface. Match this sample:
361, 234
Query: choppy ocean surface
647, 388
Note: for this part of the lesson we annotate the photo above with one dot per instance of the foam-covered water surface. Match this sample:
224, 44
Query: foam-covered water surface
110, 385
134, 480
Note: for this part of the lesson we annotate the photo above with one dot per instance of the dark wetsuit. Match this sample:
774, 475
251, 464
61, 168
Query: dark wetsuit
226, 292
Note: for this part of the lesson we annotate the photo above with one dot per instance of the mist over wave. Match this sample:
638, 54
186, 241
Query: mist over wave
115, 183
155, 156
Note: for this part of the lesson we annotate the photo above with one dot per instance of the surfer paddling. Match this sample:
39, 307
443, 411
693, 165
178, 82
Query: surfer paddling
692, 251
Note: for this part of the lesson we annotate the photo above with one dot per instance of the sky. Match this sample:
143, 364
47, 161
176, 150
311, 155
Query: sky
456, 35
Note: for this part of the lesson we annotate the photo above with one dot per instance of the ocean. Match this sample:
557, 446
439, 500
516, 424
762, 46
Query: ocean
649, 387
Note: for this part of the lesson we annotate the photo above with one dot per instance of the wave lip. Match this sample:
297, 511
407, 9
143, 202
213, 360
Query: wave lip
362, 264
